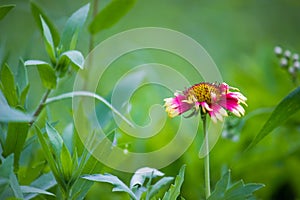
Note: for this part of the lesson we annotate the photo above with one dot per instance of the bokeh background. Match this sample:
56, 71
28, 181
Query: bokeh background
239, 36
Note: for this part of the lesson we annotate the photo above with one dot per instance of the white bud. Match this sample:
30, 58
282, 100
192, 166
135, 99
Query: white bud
296, 56
297, 64
283, 62
278, 50
287, 53
292, 70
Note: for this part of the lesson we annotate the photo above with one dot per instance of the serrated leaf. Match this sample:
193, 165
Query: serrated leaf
224, 190
29, 189
242, 191
48, 40
142, 174
9, 88
74, 56
283, 111
119, 186
5, 9
15, 140
174, 190
37, 12
221, 187
72, 27
110, 15
46, 72
158, 186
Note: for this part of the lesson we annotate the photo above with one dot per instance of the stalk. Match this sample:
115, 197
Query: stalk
206, 158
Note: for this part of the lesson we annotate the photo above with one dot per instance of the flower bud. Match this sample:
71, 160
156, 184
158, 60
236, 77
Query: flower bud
292, 70
296, 57
297, 65
278, 50
287, 53
283, 62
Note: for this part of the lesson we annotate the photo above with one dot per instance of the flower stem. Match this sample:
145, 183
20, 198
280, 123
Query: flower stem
206, 158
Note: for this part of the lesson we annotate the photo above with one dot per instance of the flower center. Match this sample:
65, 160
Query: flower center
204, 92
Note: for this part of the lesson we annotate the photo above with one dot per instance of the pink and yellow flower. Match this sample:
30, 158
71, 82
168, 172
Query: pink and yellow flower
214, 99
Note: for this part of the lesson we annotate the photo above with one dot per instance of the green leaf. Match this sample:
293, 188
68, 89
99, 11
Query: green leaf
46, 72
110, 15
119, 186
48, 155
30, 189
47, 75
8, 114
74, 56
66, 163
22, 76
283, 111
61, 152
158, 186
9, 88
50, 48
224, 190
23, 95
72, 27
44, 182
37, 13
242, 191
56, 142
221, 187
80, 189
174, 190
75, 164
5, 9
9, 183
87, 165
15, 140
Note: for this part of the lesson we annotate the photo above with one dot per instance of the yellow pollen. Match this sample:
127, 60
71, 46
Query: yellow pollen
204, 92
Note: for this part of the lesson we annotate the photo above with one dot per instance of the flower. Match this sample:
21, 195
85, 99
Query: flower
212, 98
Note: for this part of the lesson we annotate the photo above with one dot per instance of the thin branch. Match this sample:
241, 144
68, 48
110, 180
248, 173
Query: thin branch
40, 106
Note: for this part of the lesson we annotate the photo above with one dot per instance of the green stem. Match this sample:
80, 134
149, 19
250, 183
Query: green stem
206, 158
95, 10
40, 107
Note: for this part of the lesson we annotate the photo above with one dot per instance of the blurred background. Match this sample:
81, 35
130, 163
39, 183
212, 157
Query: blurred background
240, 36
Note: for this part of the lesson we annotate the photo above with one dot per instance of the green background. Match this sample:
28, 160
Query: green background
240, 37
